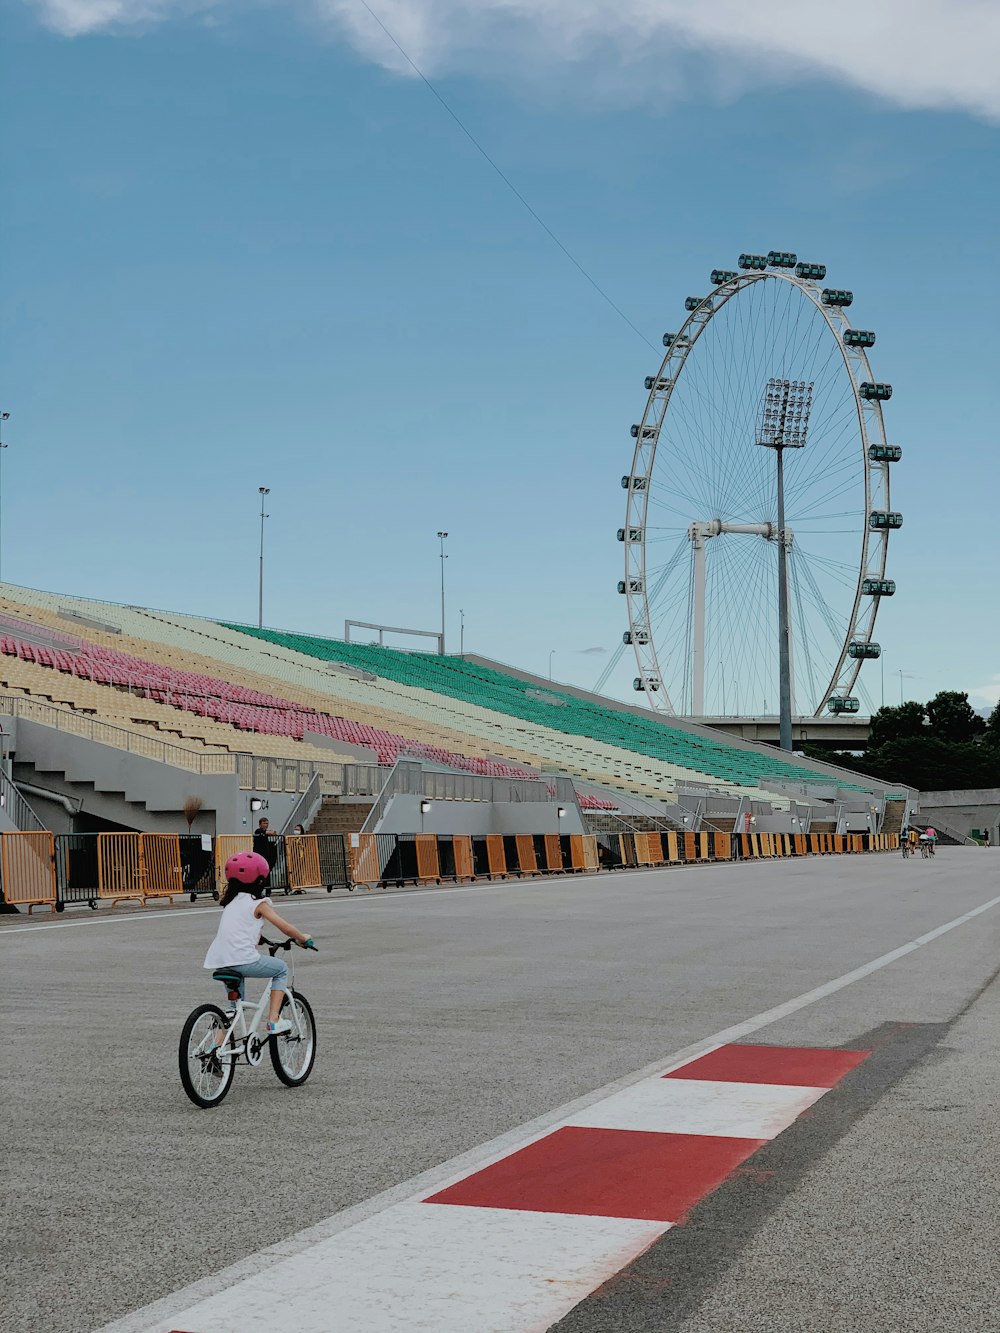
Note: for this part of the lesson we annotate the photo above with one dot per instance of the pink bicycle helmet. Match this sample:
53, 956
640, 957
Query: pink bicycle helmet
247, 867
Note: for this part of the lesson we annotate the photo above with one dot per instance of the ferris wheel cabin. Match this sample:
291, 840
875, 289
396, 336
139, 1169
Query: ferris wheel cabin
885, 453
843, 705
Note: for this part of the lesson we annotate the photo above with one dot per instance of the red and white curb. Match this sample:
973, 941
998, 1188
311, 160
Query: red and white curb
515, 1244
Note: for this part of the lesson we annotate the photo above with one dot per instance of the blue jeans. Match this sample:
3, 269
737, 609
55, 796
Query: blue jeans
264, 967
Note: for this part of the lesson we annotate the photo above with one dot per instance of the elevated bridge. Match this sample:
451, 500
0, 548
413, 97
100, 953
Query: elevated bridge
841, 732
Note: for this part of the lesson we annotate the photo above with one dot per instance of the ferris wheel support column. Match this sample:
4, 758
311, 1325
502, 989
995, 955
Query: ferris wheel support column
698, 622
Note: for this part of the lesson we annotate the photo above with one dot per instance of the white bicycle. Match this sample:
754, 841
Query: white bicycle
208, 1064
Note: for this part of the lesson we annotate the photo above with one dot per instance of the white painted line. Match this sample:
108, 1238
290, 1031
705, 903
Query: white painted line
701, 1106
429, 1269
164, 1314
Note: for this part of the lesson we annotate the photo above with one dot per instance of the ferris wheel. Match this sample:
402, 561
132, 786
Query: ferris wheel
766, 366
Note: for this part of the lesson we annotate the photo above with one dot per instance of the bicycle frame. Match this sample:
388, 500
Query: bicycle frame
246, 1018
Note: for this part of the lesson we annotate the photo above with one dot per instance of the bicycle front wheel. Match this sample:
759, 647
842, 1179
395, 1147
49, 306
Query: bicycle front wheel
205, 1074
293, 1053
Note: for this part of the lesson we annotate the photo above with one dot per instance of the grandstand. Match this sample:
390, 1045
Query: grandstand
218, 688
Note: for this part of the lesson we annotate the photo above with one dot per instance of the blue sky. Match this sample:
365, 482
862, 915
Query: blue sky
242, 247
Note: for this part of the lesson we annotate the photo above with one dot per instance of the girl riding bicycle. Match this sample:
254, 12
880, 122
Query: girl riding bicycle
244, 911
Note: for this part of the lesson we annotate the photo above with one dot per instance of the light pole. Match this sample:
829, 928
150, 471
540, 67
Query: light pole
461, 633
4, 416
264, 490
552, 654
441, 537
784, 424
722, 676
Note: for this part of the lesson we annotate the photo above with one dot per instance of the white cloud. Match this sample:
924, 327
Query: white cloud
914, 53
988, 693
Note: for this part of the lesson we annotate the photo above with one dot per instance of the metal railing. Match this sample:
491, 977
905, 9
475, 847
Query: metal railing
121, 738
17, 807
409, 778
306, 806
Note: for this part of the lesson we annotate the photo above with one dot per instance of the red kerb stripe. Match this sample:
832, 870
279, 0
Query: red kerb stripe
605, 1173
795, 1066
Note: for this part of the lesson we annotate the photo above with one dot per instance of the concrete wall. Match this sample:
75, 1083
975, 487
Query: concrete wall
354, 754
402, 815
963, 810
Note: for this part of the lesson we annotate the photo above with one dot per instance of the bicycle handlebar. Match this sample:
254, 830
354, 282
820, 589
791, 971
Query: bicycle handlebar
273, 946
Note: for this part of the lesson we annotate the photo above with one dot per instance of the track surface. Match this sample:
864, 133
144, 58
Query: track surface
445, 1020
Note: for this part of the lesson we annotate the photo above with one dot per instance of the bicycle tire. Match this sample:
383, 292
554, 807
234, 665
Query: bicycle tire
293, 1073
204, 1089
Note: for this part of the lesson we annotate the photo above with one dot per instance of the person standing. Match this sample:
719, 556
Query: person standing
264, 845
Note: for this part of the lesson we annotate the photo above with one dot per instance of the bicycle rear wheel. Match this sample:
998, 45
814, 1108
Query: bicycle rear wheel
293, 1055
205, 1076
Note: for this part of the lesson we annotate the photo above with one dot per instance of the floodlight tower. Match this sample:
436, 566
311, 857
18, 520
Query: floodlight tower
784, 424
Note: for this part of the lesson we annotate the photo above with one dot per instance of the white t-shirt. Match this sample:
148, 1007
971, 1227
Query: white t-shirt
238, 935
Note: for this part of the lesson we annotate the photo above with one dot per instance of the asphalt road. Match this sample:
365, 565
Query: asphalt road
449, 1017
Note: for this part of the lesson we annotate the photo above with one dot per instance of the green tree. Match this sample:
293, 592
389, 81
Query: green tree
952, 718
991, 736
934, 765
894, 724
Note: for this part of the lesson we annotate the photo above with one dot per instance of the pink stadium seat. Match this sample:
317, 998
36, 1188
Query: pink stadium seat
238, 706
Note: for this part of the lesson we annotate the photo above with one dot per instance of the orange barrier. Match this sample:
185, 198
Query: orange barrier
28, 863
591, 861
227, 845
722, 844
672, 851
118, 866
362, 859
464, 865
496, 855
428, 861
553, 852
526, 859
583, 851
160, 855
689, 847
799, 844
302, 861
138, 865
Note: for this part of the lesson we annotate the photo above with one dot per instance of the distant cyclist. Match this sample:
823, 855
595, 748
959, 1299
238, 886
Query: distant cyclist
931, 835
244, 911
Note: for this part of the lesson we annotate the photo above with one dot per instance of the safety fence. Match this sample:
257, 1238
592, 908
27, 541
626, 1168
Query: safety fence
42, 869
380, 859
622, 850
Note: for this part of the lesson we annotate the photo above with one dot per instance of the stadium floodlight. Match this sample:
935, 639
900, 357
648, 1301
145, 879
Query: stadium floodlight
264, 490
784, 424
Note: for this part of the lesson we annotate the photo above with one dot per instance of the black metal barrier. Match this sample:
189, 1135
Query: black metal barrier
197, 866
77, 877
333, 861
